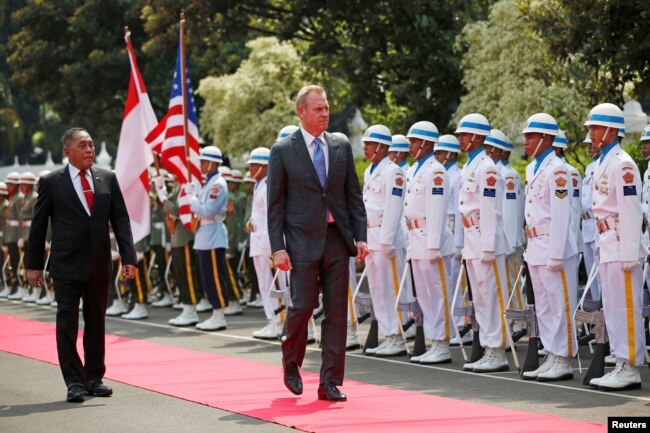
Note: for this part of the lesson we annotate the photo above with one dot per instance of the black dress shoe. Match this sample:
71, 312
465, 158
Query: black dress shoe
75, 393
330, 392
292, 379
98, 389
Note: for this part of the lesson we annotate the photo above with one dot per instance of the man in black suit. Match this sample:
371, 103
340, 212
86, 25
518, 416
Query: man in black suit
80, 202
316, 222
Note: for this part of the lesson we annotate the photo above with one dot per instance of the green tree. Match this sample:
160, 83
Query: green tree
246, 109
510, 74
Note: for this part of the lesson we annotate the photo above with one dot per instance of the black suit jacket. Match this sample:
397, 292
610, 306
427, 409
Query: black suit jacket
297, 203
81, 247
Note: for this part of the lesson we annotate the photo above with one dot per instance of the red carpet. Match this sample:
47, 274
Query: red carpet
255, 389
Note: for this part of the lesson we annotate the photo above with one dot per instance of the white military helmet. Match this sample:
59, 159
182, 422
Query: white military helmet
542, 123
378, 134
399, 143
560, 140
236, 175
225, 172
474, 123
645, 135
341, 135
499, 140
424, 130
286, 131
248, 178
448, 143
13, 177
3, 189
211, 153
43, 173
606, 114
587, 139
259, 156
27, 178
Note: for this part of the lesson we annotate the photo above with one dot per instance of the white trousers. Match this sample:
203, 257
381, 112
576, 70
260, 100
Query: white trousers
434, 293
264, 279
352, 285
383, 280
622, 303
454, 271
513, 263
556, 298
590, 256
489, 296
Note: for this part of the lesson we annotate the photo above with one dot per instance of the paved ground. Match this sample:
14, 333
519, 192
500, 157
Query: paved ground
32, 392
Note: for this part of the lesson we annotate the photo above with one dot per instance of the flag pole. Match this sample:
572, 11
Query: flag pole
184, 92
127, 39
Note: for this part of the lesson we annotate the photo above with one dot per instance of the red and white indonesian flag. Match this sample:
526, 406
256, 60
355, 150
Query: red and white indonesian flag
133, 153
168, 138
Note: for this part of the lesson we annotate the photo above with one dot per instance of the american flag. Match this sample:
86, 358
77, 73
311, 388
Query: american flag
167, 139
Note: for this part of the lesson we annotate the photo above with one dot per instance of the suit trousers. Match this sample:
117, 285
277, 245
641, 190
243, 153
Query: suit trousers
434, 296
329, 273
489, 296
184, 266
556, 298
622, 304
94, 293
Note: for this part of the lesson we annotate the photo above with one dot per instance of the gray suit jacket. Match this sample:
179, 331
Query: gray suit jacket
297, 203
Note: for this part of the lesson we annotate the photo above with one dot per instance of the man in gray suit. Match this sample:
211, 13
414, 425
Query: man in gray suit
316, 222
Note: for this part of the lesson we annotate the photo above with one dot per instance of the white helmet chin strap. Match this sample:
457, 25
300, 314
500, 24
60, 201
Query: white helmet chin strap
417, 155
254, 175
538, 144
602, 138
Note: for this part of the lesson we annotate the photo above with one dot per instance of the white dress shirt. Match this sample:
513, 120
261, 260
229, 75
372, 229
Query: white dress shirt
309, 139
76, 182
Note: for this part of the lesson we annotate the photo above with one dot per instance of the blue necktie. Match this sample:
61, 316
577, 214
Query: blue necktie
319, 161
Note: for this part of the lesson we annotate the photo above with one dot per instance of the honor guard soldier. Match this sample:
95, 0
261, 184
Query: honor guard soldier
27, 183
383, 196
260, 245
398, 152
4, 204
617, 208
560, 145
589, 230
480, 200
254, 298
158, 248
645, 196
184, 262
12, 234
140, 286
430, 240
234, 212
552, 253
447, 150
211, 238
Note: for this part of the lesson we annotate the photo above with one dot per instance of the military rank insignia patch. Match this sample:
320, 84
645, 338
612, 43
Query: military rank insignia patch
560, 181
437, 191
491, 181
397, 192
511, 196
629, 189
489, 192
561, 193
576, 193
437, 180
628, 178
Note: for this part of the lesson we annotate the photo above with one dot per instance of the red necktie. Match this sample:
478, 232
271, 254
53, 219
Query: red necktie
88, 192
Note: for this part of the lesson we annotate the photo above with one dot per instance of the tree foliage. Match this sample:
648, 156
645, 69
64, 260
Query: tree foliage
246, 109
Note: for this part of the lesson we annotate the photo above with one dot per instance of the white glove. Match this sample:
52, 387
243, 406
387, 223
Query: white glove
139, 256
270, 262
48, 245
628, 266
388, 250
487, 256
159, 185
555, 265
434, 255
115, 255
5, 249
458, 253
168, 247
21, 243
190, 188
241, 246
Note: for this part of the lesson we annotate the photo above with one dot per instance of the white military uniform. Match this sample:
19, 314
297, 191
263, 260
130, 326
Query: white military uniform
406, 296
383, 196
513, 223
617, 208
260, 251
549, 192
589, 230
576, 205
454, 221
480, 201
645, 206
425, 210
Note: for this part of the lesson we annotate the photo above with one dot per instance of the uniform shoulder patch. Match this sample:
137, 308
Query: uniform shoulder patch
561, 193
574, 180
629, 190
628, 177
491, 181
510, 186
560, 181
399, 180
438, 180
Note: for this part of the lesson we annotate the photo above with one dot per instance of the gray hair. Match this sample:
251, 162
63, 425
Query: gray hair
67, 135
305, 91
